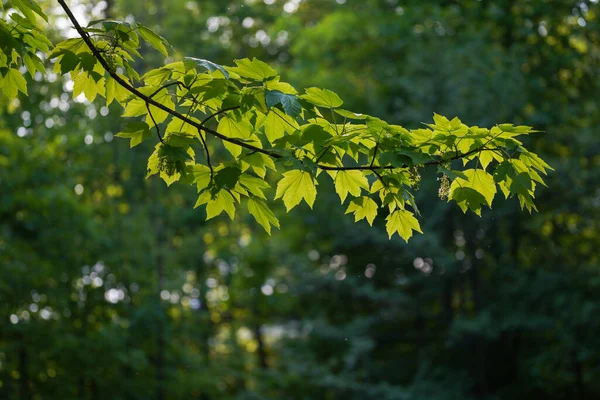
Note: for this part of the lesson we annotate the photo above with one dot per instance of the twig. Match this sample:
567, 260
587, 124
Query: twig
207, 154
374, 154
166, 86
155, 124
217, 113
429, 163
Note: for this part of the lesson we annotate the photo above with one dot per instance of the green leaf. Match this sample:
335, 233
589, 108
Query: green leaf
404, 223
350, 115
114, 91
68, 62
277, 124
227, 177
27, 6
135, 108
322, 97
452, 174
157, 77
73, 45
350, 182
533, 160
215, 205
262, 214
363, 207
274, 84
254, 185
314, 133
191, 62
90, 83
295, 186
514, 177
151, 37
290, 103
259, 162
478, 189
136, 131
179, 139
33, 64
254, 69
201, 176
163, 97
234, 129
13, 82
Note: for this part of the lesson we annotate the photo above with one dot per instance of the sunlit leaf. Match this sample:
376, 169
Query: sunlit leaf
322, 97
402, 222
253, 69
263, 215
350, 182
13, 82
295, 186
153, 38
363, 207
135, 131
478, 189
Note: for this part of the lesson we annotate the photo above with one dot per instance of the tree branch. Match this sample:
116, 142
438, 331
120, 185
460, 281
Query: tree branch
429, 163
200, 125
148, 99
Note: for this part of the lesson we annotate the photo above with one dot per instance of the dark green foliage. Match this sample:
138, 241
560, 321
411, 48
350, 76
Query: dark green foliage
498, 307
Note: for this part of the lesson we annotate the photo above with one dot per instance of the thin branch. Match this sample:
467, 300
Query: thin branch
207, 154
324, 151
155, 124
376, 167
217, 113
374, 154
380, 178
166, 86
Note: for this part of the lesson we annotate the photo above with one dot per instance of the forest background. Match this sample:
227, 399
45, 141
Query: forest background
112, 287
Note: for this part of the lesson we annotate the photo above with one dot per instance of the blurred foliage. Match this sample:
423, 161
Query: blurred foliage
113, 287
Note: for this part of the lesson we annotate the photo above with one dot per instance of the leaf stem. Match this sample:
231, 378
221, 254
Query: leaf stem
155, 124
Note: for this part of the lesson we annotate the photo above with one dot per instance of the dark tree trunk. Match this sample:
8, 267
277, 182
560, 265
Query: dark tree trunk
24, 391
159, 359
262, 354
578, 372
478, 306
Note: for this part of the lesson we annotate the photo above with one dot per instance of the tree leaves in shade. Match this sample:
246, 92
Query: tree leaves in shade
289, 102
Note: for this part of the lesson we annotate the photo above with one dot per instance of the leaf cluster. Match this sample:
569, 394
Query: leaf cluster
246, 121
